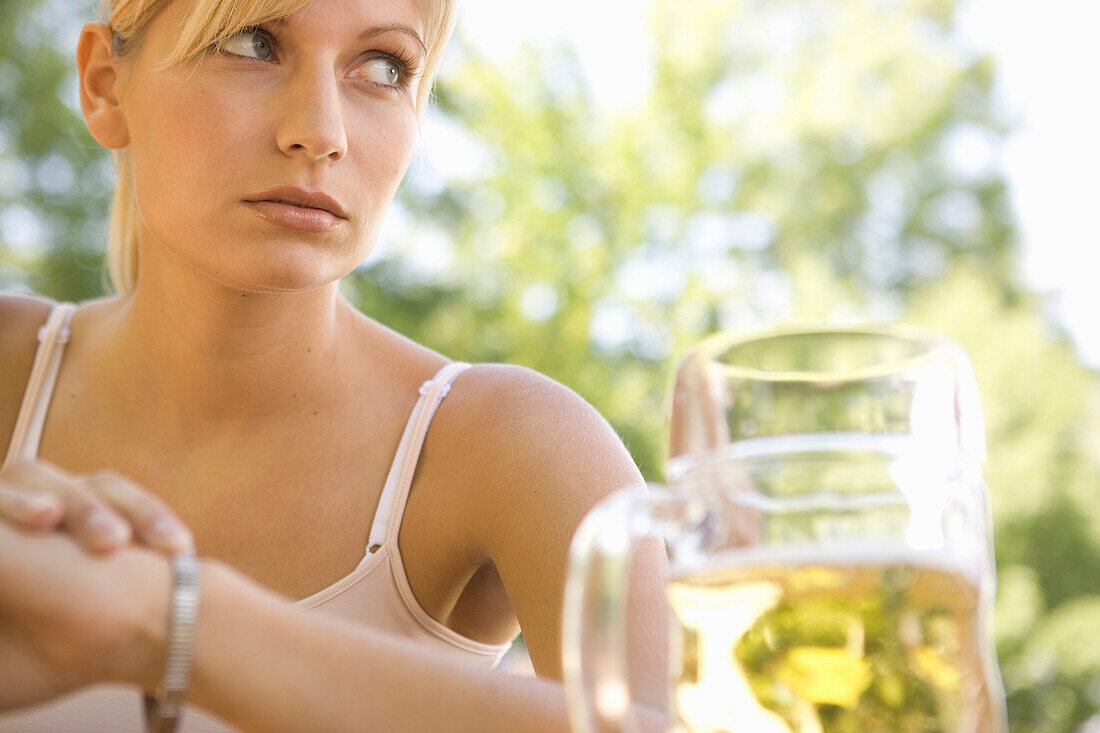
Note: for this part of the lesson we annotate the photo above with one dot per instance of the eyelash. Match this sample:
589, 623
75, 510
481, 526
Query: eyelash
407, 65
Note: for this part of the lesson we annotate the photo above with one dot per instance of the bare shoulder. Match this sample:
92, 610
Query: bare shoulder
20, 318
16, 305
528, 414
531, 446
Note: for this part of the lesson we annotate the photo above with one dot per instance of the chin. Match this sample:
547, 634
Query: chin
282, 282
281, 274
274, 262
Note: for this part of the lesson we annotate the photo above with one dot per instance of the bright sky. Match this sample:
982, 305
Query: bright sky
610, 36
1047, 61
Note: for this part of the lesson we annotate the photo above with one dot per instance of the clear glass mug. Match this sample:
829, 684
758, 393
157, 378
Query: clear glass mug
828, 535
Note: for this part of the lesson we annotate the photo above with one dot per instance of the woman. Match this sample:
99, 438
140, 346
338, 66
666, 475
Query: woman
258, 144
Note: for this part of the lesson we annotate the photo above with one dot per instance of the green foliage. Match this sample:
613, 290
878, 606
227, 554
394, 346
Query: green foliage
793, 160
54, 179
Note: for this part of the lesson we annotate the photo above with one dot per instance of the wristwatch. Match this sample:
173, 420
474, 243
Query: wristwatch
164, 708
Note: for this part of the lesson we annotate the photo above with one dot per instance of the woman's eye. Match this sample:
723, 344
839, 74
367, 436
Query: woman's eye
250, 43
384, 71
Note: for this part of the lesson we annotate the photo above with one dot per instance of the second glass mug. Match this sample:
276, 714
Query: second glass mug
828, 537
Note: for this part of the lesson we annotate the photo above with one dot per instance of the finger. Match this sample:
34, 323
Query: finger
35, 510
31, 498
154, 523
88, 518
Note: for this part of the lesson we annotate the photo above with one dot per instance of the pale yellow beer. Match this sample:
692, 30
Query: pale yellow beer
861, 640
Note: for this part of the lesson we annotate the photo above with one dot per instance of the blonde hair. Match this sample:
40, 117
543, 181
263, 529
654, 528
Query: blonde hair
209, 22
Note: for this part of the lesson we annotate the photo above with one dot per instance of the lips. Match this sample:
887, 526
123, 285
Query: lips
297, 208
300, 197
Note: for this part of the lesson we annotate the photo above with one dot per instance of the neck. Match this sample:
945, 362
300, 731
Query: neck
207, 357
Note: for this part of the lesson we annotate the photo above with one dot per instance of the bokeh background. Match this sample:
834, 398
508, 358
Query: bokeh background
603, 183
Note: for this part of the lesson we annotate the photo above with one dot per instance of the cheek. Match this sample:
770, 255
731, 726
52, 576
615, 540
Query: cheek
189, 144
380, 149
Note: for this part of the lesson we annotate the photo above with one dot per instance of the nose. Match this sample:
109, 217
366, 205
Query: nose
313, 124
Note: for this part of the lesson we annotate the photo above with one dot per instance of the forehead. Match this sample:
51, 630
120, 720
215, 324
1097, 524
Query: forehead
336, 16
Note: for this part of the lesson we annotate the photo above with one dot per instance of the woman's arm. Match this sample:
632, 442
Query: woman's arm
68, 619
264, 665
531, 458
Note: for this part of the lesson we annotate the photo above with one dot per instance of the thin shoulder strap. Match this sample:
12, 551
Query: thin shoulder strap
52, 338
396, 490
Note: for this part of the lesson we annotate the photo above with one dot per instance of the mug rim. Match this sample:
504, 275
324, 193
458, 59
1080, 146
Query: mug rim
932, 347
895, 446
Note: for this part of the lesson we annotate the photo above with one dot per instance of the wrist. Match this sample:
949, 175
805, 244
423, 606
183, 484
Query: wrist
139, 657
235, 613
141, 661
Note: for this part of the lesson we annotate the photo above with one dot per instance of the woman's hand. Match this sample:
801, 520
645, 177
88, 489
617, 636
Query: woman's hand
68, 618
102, 511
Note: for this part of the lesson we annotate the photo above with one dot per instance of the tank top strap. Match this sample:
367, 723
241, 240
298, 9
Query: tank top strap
395, 492
52, 338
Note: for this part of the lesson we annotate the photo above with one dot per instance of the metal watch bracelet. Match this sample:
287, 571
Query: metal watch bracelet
164, 708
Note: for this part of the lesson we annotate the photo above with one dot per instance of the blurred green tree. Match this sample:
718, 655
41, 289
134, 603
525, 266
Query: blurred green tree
54, 179
792, 160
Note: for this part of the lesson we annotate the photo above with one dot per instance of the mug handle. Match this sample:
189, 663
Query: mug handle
594, 615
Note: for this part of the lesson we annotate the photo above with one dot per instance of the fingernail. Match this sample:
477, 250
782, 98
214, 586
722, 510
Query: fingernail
165, 531
104, 526
32, 506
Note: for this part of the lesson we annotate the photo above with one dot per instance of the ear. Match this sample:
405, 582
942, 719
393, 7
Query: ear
98, 73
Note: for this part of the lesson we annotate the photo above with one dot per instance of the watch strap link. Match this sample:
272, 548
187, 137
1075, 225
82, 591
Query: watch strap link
164, 708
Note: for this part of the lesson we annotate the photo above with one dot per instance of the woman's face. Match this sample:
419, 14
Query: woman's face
321, 101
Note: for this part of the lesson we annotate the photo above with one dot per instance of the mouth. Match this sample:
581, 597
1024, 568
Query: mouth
297, 208
301, 198
291, 203
290, 215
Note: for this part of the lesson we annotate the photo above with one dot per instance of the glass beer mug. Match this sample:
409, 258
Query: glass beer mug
828, 536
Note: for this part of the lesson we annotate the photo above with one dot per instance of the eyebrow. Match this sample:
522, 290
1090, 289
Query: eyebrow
399, 27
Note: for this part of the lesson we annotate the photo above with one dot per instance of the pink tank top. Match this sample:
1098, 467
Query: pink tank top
376, 593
